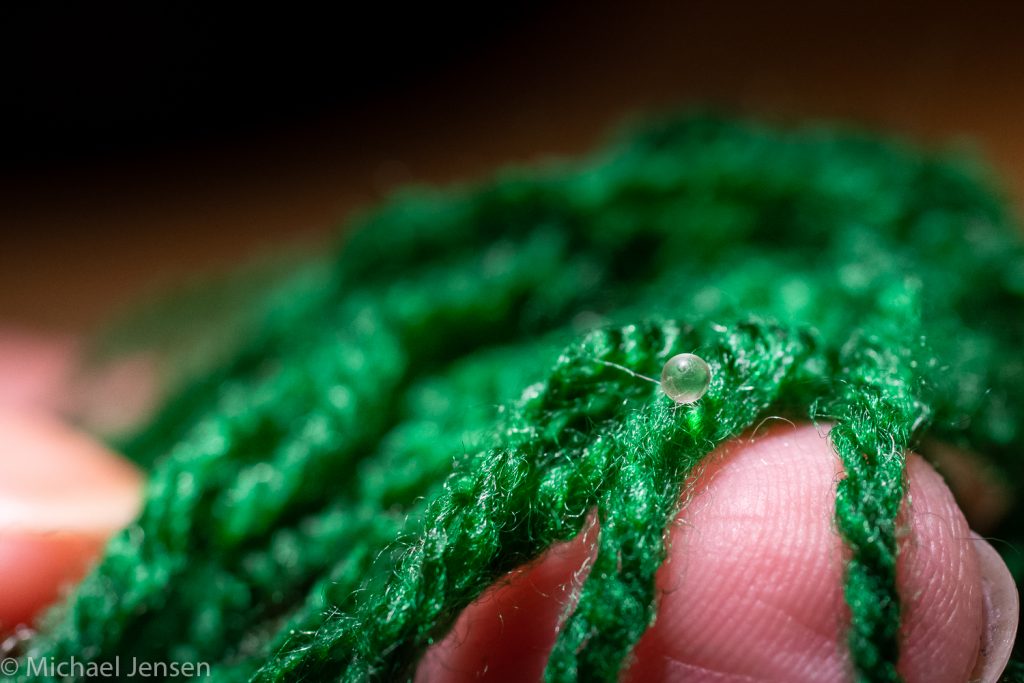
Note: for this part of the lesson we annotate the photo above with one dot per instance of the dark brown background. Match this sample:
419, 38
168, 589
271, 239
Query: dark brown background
85, 233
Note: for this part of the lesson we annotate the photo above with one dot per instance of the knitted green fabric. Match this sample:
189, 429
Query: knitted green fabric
455, 394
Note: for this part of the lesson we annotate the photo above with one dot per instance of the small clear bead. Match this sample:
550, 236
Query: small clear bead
685, 378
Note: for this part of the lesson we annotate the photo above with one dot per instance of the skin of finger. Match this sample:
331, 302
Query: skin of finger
37, 569
507, 634
62, 495
752, 586
752, 589
940, 576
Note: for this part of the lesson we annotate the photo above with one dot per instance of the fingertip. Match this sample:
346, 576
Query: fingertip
37, 569
751, 589
939, 582
62, 495
507, 634
753, 586
56, 479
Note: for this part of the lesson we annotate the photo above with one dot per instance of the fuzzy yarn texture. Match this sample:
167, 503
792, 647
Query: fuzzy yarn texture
446, 399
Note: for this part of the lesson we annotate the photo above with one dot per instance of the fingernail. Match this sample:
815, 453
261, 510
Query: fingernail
1002, 610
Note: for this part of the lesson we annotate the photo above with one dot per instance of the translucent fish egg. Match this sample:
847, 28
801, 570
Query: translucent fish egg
685, 378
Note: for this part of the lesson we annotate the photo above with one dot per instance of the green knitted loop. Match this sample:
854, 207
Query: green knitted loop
435, 408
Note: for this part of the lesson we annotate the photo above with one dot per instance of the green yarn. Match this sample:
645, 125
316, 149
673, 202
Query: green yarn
429, 412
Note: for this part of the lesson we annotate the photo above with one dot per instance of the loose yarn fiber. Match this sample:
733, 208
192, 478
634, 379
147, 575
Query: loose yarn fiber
447, 399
